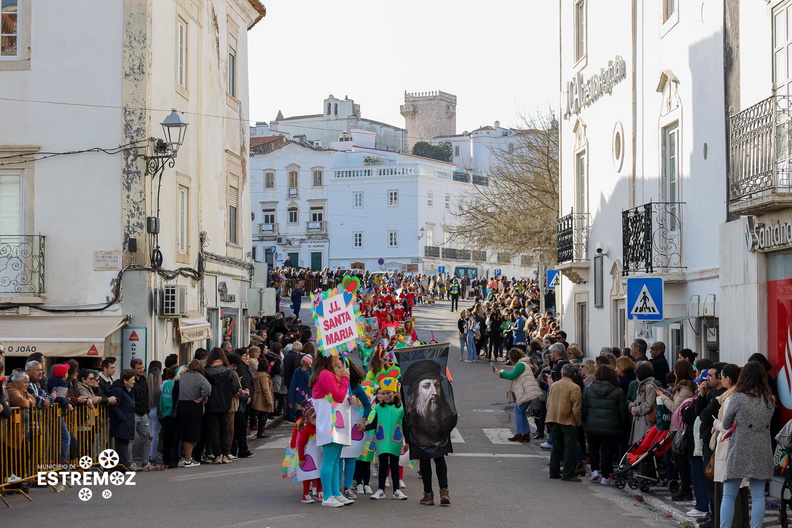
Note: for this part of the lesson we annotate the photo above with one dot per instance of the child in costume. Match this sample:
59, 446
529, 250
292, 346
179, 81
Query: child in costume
363, 463
386, 419
306, 431
360, 409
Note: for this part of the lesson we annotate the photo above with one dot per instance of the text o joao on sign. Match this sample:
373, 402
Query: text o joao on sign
776, 234
337, 321
582, 93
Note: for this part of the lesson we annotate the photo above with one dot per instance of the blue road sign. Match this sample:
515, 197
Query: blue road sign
645, 298
273, 249
553, 279
440, 269
497, 273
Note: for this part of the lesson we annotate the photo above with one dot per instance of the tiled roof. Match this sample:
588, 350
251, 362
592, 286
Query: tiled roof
262, 11
258, 141
484, 128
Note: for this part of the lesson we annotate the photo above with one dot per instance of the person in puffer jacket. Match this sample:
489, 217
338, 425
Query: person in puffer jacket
526, 389
225, 384
605, 417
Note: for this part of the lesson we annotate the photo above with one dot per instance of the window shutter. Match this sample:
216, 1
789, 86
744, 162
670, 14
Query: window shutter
233, 197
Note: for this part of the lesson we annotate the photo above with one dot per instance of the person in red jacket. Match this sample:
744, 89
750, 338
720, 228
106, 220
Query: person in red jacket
305, 429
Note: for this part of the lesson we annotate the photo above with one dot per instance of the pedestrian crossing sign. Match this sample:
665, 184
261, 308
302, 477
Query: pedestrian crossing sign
645, 298
553, 279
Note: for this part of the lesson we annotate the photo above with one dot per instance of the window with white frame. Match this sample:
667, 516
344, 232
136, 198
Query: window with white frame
232, 81
581, 184
429, 198
669, 176
357, 200
318, 178
10, 29
268, 216
269, 180
357, 239
430, 236
393, 239
233, 215
580, 29
448, 201
184, 203
393, 198
456, 151
782, 51
181, 52
11, 203
293, 215
317, 213
293, 181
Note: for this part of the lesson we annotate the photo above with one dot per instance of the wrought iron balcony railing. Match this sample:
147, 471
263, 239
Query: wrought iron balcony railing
22, 264
652, 238
479, 255
761, 157
572, 237
431, 251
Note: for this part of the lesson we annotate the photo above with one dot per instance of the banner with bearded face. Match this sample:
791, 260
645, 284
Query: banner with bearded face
430, 411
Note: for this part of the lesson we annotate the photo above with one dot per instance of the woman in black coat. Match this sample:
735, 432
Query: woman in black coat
122, 416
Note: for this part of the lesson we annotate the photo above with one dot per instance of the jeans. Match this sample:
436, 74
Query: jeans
142, 437
495, 346
329, 472
521, 425
65, 442
426, 473
730, 489
472, 352
564, 446
462, 346
540, 418
697, 479
600, 450
154, 430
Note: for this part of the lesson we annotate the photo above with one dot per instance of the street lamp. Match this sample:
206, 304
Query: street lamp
164, 151
421, 233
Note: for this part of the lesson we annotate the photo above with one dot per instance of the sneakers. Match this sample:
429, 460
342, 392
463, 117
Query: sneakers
402, 485
379, 494
233, 457
188, 463
132, 467
307, 499
227, 459
696, 513
331, 502
367, 490
545, 445
219, 460
13, 478
349, 494
398, 495
146, 467
360, 490
608, 481
247, 454
343, 500
595, 475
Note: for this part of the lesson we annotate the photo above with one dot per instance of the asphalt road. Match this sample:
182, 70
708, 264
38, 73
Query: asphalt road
493, 482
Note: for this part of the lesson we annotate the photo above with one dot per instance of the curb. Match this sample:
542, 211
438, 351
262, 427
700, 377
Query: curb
660, 506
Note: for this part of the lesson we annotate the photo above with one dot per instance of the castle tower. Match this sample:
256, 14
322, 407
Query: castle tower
428, 115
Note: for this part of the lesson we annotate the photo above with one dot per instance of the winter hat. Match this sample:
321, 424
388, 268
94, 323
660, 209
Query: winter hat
307, 359
60, 371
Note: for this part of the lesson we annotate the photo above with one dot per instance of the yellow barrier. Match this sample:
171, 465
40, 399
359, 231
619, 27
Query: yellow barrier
31, 442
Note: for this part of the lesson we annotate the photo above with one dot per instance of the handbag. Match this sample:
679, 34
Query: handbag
511, 397
679, 443
709, 472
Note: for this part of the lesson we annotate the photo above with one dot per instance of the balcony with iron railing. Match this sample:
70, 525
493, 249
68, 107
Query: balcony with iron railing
431, 251
22, 265
317, 227
760, 168
652, 238
572, 237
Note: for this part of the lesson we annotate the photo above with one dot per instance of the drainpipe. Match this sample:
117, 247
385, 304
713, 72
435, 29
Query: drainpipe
634, 116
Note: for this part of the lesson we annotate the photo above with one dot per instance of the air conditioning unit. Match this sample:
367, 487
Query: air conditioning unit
174, 300
280, 240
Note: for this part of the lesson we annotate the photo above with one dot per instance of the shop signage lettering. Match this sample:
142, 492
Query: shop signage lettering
775, 234
582, 93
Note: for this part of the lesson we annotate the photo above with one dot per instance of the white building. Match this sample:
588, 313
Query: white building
337, 116
643, 165
756, 244
473, 150
360, 207
76, 227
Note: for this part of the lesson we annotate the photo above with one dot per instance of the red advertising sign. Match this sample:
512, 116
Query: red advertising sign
779, 326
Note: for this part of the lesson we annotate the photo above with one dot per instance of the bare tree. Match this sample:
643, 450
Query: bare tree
516, 212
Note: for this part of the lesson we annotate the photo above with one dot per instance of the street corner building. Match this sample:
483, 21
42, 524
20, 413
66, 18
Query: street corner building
112, 243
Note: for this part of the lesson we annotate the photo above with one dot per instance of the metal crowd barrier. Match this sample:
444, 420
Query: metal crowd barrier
30, 443
311, 285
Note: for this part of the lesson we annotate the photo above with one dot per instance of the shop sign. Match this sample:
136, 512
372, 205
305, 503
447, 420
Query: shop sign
581, 93
775, 234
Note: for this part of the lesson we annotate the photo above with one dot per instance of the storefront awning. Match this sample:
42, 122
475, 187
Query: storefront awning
194, 327
671, 320
59, 336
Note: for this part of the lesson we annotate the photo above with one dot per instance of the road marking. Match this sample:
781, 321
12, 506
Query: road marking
280, 443
499, 436
214, 474
495, 455
456, 437
258, 522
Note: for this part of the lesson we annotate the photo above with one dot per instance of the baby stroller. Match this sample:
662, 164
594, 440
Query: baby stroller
641, 466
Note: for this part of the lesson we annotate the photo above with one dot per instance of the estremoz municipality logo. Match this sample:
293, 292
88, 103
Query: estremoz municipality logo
107, 459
